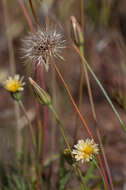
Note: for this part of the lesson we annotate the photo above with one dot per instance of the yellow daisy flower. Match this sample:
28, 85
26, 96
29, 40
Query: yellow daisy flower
85, 150
14, 84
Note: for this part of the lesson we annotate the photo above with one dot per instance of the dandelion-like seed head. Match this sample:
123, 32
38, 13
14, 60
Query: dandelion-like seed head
14, 84
40, 46
85, 150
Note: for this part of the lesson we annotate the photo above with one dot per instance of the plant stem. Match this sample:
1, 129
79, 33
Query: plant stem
12, 66
81, 70
33, 12
54, 102
29, 123
33, 141
60, 126
36, 105
82, 120
105, 159
100, 173
9, 38
73, 102
102, 89
95, 119
40, 68
44, 117
103, 171
81, 177
41, 76
26, 15
67, 144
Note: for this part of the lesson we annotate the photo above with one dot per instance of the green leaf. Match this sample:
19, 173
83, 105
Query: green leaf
104, 92
89, 174
51, 159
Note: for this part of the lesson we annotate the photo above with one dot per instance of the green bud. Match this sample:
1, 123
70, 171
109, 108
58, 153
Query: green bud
77, 34
68, 157
16, 96
40, 94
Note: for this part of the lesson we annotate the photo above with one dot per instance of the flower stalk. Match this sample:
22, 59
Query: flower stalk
102, 89
42, 78
79, 40
26, 15
33, 12
82, 120
44, 99
29, 124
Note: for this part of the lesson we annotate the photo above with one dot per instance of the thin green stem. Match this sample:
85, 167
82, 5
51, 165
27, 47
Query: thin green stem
44, 131
82, 15
84, 187
60, 126
54, 102
100, 173
12, 66
67, 144
91, 97
79, 105
88, 84
102, 88
105, 159
29, 123
82, 120
33, 141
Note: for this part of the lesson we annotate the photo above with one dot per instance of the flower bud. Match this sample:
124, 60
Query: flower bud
16, 96
68, 157
77, 34
40, 94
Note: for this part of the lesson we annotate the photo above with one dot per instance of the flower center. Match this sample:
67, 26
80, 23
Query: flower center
87, 149
13, 85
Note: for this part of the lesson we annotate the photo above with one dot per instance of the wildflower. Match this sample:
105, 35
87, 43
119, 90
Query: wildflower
85, 150
14, 84
40, 46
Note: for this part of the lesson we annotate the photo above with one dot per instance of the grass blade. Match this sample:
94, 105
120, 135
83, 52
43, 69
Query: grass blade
102, 89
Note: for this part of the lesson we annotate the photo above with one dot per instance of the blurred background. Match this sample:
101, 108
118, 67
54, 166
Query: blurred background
104, 28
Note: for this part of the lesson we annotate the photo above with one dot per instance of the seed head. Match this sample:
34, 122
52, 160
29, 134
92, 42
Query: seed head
40, 46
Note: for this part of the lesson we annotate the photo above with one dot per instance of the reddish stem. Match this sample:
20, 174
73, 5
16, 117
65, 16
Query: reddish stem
83, 122
41, 76
33, 12
36, 105
44, 116
36, 102
26, 15
73, 102
103, 171
105, 160
40, 68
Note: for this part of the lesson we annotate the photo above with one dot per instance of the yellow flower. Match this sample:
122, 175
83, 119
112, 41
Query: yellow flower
14, 84
85, 150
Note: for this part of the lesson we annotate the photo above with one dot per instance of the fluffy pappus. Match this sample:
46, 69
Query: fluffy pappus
40, 46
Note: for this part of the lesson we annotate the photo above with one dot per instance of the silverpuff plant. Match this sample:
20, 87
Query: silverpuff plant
40, 46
